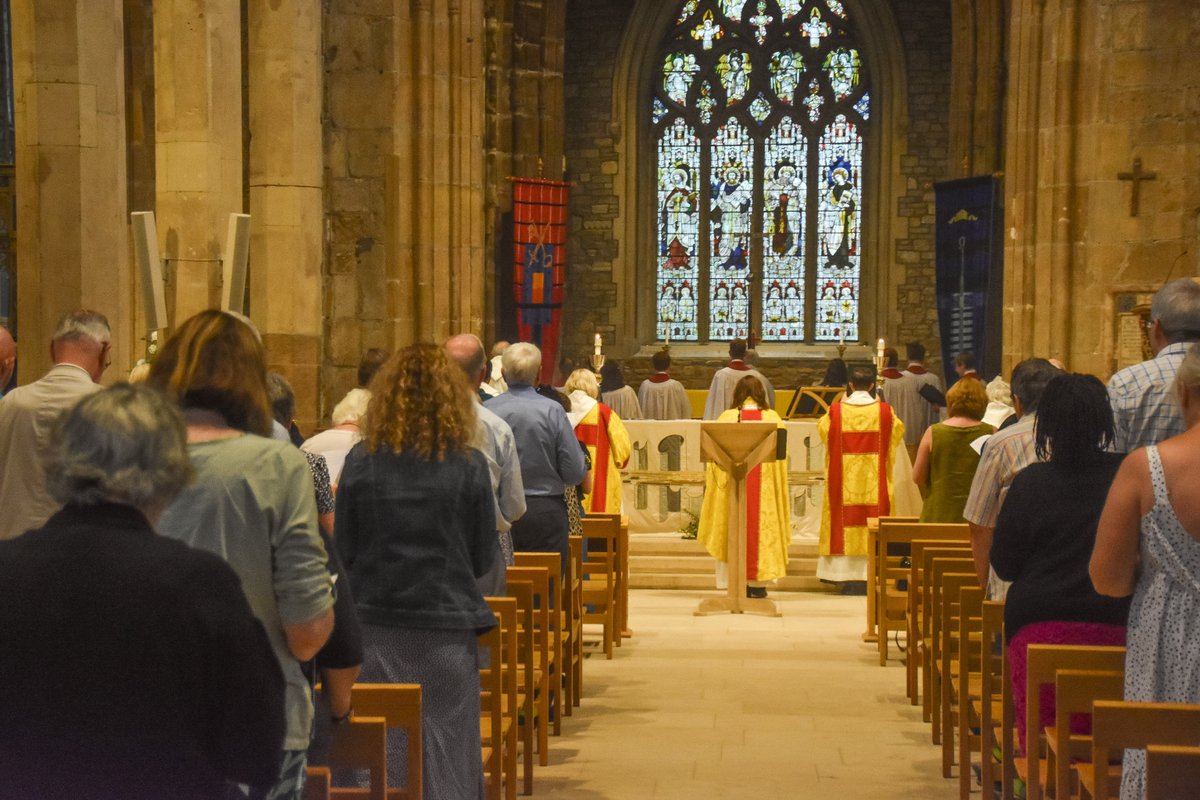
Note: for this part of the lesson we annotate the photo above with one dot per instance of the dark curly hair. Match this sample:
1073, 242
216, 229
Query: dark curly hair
1074, 421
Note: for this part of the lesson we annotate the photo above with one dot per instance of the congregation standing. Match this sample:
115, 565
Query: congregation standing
443, 462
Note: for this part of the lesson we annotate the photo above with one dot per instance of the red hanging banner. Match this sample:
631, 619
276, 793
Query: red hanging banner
539, 259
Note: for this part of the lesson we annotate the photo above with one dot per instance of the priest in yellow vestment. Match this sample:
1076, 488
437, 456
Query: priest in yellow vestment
860, 434
601, 430
768, 518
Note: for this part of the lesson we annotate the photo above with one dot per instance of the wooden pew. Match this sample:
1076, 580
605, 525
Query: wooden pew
559, 630
499, 682
575, 585
891, 602
317, 783
991, 690
1075, 692
1172, 773
871, 634
361, 743
917, 657
522, 592
968, 682
600, 577
1041, 667
1117, 726
938, 569
949, 608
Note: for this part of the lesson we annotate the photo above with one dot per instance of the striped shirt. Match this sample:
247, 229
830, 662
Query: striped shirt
1144, 407
1005, 454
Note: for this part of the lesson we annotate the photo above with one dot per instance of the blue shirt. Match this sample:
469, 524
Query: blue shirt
1144, 407
550, 456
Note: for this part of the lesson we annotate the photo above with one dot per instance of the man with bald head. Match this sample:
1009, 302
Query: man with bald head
80, 349
494, 438
8, 358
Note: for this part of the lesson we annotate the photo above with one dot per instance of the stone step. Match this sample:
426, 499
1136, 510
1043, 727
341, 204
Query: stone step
668, 561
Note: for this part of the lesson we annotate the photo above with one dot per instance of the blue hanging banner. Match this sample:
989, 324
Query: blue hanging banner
970, 272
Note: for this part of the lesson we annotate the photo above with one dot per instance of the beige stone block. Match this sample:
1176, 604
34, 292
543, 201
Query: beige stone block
60, 114
345, 345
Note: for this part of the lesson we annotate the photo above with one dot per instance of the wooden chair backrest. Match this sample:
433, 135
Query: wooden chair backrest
600, 562
317, 783
991, 683
1172, 772
924, 551
936, 581
1075, 692
895, 544
361, 743
1119, 725
399, 704
822, 397
950, 609
1042, 663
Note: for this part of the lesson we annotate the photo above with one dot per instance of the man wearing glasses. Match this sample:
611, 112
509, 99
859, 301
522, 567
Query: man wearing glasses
1142, 396
81, 351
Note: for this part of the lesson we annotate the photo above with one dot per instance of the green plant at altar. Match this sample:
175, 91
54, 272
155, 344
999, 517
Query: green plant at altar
692, 528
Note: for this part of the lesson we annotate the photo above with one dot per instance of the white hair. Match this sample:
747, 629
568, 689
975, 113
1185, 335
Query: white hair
1189, 370
83, 324
521, 363
585, 381
352, 407
1176, 306
998, 391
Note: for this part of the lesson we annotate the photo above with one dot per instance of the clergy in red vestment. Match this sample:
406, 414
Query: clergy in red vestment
598, 427
860, 434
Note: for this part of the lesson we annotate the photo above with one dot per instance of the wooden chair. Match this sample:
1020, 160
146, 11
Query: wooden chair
600, 577
498, 700
1117, 726
399, 706
1075, 692
1172, 773
949, 608
939, 569
527, 677
894, 545
871, 634
317, 783
559, 622
621, 586
1042, 664
820, 397
546, 694
574, 583
361, 743
968, 683
991, 690
915, 657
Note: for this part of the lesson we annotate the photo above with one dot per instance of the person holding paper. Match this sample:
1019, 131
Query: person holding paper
949, 454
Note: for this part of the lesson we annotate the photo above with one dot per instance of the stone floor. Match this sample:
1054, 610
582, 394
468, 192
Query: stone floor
743, 707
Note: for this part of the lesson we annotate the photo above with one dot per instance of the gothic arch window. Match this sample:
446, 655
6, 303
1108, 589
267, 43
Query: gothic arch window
760, 114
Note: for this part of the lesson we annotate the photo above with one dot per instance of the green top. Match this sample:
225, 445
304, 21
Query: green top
952, 464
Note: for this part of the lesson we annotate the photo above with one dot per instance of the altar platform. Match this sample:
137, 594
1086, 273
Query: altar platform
664, 488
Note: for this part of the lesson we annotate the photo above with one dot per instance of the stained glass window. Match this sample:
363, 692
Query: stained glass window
759, 113
678, 230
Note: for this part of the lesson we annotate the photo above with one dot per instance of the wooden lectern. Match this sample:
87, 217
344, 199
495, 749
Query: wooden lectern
738, 447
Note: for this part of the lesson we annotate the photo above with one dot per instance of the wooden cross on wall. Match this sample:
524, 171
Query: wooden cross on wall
1137, 176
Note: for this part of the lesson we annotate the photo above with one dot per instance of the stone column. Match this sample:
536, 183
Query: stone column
199, 128
286, 164
72, 225
435, 188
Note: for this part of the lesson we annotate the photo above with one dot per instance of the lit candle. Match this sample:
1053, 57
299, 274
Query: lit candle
842, 337
598, 342
879, 351
668, 336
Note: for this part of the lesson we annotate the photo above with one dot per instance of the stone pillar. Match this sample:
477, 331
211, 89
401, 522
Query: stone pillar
72, 222
435, 276
285, 176
198, 152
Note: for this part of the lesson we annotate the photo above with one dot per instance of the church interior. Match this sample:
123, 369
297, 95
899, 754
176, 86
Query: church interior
788, 172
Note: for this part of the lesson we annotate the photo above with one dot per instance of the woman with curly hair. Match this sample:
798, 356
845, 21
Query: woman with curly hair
416, 527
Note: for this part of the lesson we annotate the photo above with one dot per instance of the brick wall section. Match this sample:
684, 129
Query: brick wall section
925, 30
593, 39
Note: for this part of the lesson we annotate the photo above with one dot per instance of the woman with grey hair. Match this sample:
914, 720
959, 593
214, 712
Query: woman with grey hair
141, 671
